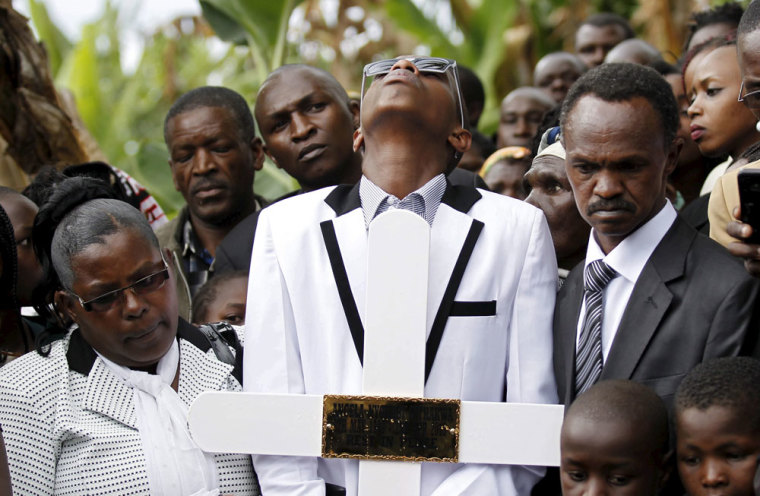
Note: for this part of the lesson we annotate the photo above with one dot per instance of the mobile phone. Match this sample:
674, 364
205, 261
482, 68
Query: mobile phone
749, 199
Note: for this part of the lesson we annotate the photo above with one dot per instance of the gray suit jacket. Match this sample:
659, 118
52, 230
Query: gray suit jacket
692, 302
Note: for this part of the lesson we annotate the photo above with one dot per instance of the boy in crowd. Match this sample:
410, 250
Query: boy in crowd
615, 441
222, 299
717, 417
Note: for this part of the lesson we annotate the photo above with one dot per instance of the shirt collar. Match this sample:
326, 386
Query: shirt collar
372, 197
191, 244
629, 257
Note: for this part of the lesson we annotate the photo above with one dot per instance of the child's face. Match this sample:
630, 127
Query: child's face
717, 452
229, 305
608, 458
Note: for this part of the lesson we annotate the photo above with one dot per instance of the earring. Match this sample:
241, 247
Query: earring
757, 126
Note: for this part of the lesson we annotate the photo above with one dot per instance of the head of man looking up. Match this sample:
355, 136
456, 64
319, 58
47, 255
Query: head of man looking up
213, 155
417, 110
306, 121
599, 34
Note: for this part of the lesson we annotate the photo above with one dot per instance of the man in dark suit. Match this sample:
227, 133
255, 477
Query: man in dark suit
307, 122
653, 298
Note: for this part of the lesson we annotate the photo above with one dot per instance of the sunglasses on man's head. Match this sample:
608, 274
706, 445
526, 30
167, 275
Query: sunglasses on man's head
142, 286
751, 100
425, 65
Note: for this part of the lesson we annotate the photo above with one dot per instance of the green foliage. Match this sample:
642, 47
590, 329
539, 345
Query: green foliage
125, 112
58, 46
262, 25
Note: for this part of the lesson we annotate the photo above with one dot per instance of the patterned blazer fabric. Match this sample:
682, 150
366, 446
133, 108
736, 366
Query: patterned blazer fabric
70, 427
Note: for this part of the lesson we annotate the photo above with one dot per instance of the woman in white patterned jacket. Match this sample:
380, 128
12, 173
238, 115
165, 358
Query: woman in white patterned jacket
103, 409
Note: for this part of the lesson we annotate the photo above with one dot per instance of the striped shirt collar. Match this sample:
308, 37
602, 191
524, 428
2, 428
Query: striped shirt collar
375, 201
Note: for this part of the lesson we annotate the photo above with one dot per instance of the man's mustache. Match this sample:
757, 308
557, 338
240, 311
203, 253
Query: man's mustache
615, 204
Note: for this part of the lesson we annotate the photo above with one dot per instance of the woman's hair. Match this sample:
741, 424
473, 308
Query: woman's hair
9, 275
65, 198
88, 224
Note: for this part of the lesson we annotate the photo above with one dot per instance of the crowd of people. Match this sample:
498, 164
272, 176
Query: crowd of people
570, 262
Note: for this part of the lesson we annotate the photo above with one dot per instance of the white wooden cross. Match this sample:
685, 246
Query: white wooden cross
394, 365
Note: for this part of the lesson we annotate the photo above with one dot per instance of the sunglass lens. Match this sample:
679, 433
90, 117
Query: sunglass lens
104, 302
151, 283
380, 67
431, 65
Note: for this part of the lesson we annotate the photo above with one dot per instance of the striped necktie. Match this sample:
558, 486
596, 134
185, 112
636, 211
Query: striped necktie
588, 361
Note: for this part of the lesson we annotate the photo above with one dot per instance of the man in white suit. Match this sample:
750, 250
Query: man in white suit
491, 287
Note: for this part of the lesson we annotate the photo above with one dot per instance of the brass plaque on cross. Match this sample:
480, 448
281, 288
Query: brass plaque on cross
383, 428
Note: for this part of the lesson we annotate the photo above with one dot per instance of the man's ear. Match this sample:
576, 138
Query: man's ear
673, 152
174, 177
169, 258
358, 140
460, 139
64, 302
257, 148
354, 107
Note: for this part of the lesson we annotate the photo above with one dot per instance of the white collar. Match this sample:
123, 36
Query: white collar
629, 257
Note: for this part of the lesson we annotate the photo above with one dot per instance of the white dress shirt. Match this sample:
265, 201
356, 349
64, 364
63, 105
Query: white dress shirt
628, 259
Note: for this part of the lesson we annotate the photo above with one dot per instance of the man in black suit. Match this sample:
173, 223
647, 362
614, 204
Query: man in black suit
653, 298
307, 122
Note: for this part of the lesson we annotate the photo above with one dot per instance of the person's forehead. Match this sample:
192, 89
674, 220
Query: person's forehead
613, 440
621, 122
221, 119
288, 88
589, 34
89, 260
721, 61
523, 103
710, 31
19, 208
548, 165
554, 65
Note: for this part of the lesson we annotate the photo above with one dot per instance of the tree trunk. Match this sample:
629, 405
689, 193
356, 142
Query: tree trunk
35, 130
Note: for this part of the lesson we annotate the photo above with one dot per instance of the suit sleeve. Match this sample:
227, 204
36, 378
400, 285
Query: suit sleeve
31, 447
271, 362
530, 376
734, 329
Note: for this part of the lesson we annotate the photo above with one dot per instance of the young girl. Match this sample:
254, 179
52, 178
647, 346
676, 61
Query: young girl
720, 124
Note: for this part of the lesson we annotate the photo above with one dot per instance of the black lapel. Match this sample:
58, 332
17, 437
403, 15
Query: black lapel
344, 198
444, 309
80, 355
344, 287
649, 301
460, 198
566, 313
